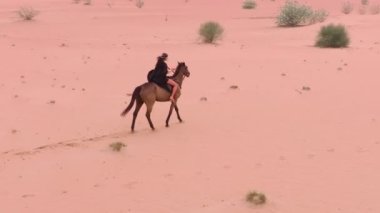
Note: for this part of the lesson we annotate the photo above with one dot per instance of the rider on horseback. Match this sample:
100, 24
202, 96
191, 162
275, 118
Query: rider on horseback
159, 75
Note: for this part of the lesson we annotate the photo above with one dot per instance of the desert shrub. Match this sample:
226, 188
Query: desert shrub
256, 198
318, 16
374, 9
347, 7
332, 36
117, 146
139, 3
210, 31
87, 2
249, 4
293, 14
362, 10
364, 2
27, 13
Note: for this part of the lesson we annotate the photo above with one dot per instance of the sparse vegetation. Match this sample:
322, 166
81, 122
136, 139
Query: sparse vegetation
294, 14
210, 31
347, 7
333, 36
203, 99
87, 2
256, 198
374, 9
249, 4
306, 88
139, 3
27, 13
117, 146
362, 10
318, 16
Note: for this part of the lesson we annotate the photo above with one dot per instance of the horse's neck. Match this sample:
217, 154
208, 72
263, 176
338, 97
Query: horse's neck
179, 78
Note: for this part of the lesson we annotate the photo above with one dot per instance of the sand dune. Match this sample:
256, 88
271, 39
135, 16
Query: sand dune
302, 126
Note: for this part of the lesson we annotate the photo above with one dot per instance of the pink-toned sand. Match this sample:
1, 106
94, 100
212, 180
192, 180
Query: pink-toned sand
64, 79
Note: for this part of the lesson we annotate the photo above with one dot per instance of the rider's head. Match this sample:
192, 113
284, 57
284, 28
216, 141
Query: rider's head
164, 56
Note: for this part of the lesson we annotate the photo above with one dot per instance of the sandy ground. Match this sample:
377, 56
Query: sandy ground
302, 127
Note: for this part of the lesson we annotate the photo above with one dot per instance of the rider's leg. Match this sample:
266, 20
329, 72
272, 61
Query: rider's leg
174, 89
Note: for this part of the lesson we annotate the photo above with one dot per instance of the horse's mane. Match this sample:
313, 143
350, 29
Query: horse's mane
180, 64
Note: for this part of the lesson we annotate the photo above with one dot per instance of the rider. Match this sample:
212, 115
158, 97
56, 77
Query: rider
159, 77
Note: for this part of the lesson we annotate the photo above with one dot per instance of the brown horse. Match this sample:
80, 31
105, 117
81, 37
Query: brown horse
150, 92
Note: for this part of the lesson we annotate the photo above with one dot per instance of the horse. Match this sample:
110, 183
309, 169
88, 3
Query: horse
150, 92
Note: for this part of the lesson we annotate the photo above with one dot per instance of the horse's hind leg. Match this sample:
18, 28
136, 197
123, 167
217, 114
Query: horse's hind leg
149, 108
170, 113
139, 103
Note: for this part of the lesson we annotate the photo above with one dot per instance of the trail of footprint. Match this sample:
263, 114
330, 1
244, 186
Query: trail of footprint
67, 143
28, 195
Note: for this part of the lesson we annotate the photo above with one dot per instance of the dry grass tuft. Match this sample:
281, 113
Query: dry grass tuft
347, 7
27, 13
139, 3
374, 9
256, 198
117, 146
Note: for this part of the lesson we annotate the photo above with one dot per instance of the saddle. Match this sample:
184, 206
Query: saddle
150, 78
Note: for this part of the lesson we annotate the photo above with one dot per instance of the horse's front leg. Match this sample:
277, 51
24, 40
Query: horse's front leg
170, 113
178, 116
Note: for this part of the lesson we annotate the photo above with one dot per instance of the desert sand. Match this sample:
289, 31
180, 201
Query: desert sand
302, 126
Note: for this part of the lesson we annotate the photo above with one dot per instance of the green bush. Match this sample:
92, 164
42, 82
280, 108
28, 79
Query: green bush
332, 36
210, 31
293, 14
249, 4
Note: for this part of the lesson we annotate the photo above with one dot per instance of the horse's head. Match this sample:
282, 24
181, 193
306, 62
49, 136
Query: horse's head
182, 68
180, 73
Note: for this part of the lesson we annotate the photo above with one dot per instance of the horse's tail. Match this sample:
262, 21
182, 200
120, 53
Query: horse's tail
135, 95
